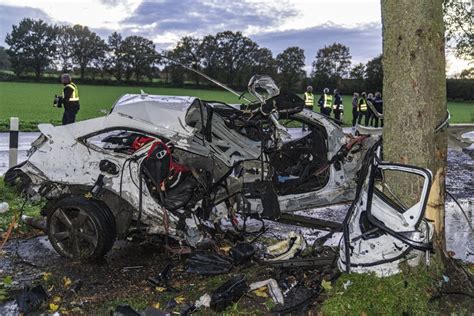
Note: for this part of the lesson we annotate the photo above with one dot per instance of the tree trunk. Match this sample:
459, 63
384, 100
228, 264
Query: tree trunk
83, 70
414, 91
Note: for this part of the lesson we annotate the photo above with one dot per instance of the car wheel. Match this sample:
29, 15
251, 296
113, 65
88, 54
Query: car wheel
80, 229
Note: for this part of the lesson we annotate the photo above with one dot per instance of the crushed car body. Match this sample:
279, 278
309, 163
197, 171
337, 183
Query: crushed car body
181, 166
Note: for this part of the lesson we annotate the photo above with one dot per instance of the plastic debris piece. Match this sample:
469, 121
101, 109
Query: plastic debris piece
30, 300
287, 248
203, 301
242, 252
228, 293
273, 289
346, 284
208, 263
298, 299
125, 310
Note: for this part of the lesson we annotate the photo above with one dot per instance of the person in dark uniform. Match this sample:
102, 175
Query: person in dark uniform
337, 107
69, 99
325, 102
378, 104
371, 114
363, 109
355, 108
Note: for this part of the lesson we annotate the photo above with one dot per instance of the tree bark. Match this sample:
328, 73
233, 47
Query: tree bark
414, 93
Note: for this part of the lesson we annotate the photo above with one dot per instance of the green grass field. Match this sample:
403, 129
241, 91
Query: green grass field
32, 102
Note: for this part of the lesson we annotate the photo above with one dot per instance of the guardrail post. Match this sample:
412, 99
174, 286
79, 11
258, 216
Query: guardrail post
13, 152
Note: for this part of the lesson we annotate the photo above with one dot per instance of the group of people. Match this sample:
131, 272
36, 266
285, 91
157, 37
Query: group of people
360, 106
361, 109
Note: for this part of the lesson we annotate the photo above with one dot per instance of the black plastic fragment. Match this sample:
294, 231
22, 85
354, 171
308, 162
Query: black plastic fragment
208, 263
29, 300
242, 252
228, 293
298, 299
124, 310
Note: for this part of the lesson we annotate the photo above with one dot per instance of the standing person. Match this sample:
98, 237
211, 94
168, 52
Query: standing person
370, 98
355, 108
70, 100
363, 109
338, 107
325, 102
308, 102
378, 104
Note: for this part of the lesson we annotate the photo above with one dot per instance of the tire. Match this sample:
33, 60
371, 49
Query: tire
80, 228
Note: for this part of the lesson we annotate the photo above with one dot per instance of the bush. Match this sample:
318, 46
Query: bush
460, 89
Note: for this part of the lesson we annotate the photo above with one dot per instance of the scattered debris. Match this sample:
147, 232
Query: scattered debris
273, 289
228, 293
208, 263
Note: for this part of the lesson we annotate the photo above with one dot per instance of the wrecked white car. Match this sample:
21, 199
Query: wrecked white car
181, 166
177, 165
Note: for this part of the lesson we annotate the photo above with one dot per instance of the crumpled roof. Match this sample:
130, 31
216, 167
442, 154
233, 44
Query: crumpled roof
159, 110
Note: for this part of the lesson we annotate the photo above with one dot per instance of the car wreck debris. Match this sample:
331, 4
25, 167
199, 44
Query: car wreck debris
273, 289
30, 300
287, 248
208, 263
228, 293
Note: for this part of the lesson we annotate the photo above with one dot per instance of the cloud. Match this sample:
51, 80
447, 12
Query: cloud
205, 17
12, 15
364, 41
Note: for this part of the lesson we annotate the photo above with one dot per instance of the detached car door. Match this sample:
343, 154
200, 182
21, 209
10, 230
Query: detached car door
384, 227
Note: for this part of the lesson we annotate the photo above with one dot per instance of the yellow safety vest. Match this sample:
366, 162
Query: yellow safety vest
363, 105
309, 99
327, 100
75, 92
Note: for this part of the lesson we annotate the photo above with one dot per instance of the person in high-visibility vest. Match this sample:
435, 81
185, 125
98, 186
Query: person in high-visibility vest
308, 102
363, 109
325, 102
337, 107
70, 100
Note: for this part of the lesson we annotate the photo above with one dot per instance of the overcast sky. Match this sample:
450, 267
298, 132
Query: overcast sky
273, 24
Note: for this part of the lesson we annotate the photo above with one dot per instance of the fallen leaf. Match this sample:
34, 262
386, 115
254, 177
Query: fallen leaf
156, 305
160, 289
67, 281
326, 285
225, 248
53, 307
180, 299
261, 291
56, 299
47, 276
7, 280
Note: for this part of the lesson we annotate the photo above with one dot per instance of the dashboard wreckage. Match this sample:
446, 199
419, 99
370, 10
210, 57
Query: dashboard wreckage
188, 168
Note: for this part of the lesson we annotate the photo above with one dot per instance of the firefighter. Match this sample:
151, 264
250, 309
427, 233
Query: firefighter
378, 104
363, 109
325, 102
355, 108
337, 107
308, 102
69, 99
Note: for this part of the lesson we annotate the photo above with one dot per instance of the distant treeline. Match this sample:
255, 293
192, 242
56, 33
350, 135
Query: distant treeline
40, 51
